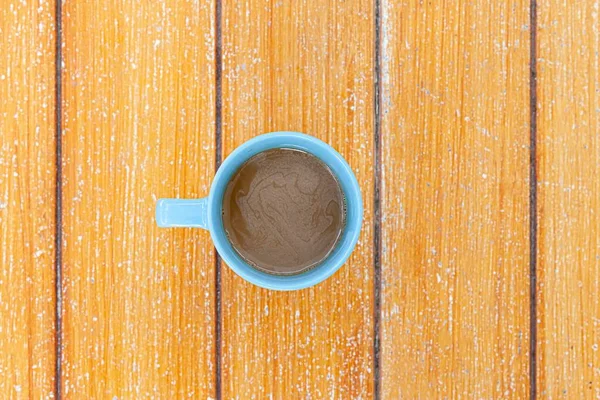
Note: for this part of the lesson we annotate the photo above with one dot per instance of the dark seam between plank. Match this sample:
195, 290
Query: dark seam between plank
377, 206
533, 226
58, 200
218, 159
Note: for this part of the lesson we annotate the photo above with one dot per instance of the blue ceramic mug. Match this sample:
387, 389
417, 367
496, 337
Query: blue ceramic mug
207, 212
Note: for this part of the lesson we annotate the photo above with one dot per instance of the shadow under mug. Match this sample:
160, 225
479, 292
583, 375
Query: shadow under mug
207, 212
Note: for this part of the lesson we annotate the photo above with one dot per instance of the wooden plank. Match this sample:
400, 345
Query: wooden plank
455, 248
139, 309
27, 199
568, 158
305, 66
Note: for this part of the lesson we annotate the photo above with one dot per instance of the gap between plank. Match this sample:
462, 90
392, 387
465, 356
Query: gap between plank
58, 200
377, 205
218, 159
533, 226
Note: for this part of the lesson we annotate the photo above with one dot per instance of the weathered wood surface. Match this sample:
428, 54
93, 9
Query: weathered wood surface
27, 200
139, 312
568, 152
455, 208
308, 67
138, 124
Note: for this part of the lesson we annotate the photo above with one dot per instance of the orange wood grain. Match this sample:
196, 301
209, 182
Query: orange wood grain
568, 147
455, 246
27, 200
138, 104
304, 66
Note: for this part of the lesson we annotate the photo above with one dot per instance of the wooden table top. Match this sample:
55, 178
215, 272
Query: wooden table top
473, 129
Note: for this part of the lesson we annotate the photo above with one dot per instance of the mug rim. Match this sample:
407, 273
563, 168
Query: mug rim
346, 179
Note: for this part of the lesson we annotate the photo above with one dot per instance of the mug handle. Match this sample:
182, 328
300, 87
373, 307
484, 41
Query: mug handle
172, 213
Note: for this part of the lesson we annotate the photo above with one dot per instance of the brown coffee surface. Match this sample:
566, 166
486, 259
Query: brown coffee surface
283, 211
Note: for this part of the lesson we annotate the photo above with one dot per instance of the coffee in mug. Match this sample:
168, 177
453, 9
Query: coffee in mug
283, 211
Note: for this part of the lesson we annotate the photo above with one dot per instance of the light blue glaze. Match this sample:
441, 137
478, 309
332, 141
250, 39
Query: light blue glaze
171, 213
207, 213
